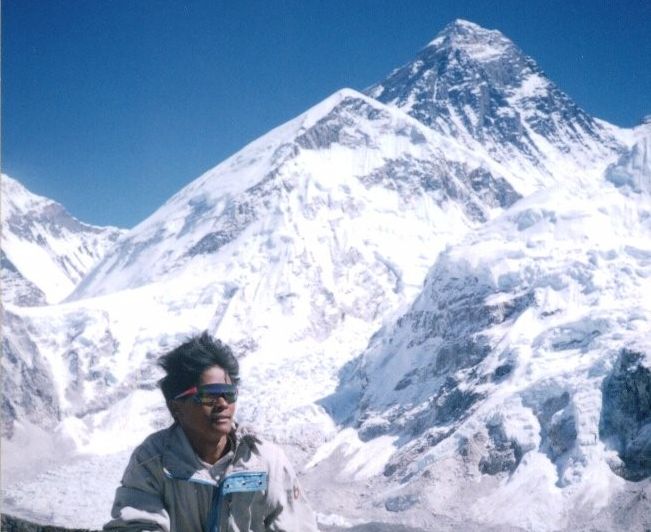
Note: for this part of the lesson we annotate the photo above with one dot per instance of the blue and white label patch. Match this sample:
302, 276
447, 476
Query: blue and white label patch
245, 481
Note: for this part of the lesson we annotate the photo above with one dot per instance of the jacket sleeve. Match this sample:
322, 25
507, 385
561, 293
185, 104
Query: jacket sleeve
291, 512
138, 501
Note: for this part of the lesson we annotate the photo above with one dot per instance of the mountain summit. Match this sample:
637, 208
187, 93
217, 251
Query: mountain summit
475, 40
478, 86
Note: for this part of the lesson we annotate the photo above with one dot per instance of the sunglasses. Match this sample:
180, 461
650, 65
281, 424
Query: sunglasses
208, 394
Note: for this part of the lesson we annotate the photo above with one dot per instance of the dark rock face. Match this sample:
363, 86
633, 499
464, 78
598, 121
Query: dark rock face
625, 422
400, 503
502, 372
473, 189
14, 524
27, 391
473, 82
210, 243
498, 452
503, 455
557, 426
16, 288
494, 191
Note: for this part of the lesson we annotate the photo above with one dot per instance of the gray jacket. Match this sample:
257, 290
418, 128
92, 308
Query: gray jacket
165, 487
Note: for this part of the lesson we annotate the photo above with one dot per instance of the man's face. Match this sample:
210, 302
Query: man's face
206, 425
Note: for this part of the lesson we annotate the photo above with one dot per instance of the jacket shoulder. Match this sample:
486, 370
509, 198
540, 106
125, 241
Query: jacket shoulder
151, 448
271, 453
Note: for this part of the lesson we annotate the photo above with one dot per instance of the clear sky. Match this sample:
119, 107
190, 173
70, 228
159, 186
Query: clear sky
111, 106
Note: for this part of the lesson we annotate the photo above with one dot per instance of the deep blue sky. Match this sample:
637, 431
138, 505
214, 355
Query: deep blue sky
111, 106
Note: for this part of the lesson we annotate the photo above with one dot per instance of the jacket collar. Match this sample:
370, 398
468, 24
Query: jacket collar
181, 462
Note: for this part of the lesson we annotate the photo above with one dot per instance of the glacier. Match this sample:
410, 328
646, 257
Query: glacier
438, 290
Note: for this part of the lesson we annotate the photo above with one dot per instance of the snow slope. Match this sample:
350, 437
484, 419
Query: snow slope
347, 158
45, 251
524, 365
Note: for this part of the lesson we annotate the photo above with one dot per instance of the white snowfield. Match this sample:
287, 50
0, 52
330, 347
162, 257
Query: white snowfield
441, 316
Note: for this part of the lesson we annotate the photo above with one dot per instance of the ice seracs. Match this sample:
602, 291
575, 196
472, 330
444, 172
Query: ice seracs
513, 361
632, 172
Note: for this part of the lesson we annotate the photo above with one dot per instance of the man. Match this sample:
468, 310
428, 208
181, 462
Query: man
204, 473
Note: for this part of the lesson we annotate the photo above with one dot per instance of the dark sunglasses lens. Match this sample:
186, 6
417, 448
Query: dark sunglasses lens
230, 397
208, 399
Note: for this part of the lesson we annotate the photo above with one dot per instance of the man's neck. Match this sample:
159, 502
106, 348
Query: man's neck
211, 453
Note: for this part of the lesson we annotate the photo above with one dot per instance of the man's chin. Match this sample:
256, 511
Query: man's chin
222, 426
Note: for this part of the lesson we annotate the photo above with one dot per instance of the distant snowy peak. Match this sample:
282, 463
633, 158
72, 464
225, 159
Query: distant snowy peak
341, 150
45, 251
477, 85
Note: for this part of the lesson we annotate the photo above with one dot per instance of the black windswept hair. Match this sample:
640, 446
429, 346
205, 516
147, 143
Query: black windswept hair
184, 364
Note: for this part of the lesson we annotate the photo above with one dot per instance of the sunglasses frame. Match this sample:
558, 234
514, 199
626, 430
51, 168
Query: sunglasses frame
227, 391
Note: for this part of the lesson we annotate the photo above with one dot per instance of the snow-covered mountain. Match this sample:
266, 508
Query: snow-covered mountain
521, 375
45, 251
504, 377
299, 244
347, 160
474, 84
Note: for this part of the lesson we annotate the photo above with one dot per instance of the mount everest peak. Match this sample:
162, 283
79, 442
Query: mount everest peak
438, 291
476, 85
476, 41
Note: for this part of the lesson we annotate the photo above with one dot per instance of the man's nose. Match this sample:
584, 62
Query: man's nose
220, 403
